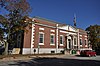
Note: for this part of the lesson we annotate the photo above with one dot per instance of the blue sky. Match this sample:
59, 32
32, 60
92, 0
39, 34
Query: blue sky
62, 11
87, 11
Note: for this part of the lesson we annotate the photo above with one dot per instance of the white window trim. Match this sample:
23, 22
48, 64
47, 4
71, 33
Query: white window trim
86, 36
75, 45
54, 39
76, 42
80, 35
86, 41
62, 40
43, 38
41, 28
82, 42
52, 30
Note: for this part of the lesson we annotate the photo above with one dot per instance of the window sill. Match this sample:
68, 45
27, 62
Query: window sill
52, 44
81, 45
75, 45
61, 44
86, 46
41, 43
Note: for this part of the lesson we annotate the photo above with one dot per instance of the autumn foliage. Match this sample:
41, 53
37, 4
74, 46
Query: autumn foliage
94, 35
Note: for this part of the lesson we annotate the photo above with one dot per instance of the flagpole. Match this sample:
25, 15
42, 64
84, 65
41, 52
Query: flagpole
74, 20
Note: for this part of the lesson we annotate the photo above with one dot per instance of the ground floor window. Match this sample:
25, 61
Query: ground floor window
74, 41
41, 38
61, 39
85, 42
69, 42
52, 39
80, 41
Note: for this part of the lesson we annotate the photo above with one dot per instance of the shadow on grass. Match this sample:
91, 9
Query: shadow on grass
57, 62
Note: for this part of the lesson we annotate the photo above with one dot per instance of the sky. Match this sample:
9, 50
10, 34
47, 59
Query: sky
62, 11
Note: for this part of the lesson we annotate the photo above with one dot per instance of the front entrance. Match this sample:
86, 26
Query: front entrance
69, 42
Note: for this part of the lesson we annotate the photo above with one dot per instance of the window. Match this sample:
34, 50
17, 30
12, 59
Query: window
61, 39
80, 41
52, 39
41, 38
74, 41
85, 42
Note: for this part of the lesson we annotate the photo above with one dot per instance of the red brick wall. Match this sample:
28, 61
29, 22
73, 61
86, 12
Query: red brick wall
45, 22
27, 38
47, 33
64, 39
84, 34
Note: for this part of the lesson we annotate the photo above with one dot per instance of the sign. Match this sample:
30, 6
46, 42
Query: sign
16, 51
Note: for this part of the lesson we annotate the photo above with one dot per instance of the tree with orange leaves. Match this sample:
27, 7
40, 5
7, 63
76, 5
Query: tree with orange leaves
15, 20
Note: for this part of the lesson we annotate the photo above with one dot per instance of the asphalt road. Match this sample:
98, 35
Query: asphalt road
55, 61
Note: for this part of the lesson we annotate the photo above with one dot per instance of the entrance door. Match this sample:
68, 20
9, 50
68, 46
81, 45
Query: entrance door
69, 43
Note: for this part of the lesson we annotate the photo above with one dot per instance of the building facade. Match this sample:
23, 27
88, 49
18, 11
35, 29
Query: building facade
46, 36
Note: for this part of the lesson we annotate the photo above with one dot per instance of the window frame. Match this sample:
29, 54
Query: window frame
53, 39
75, 42
42, 38
80, 41
61, 43
85, 41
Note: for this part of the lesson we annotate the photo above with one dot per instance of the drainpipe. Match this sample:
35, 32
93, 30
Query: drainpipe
56, 38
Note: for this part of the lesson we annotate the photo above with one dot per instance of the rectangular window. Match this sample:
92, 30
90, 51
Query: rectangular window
41, 38
85, 42
52, 39
80, 41
74, 41
61, 39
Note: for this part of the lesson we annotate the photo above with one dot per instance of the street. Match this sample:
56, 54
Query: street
55, 61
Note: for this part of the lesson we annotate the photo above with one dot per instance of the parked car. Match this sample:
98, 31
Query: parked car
88, 53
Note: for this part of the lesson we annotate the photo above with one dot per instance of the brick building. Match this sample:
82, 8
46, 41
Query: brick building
48, 36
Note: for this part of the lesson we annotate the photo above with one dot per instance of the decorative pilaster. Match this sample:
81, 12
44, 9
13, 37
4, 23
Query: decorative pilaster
56, 38
78, 39
32, 38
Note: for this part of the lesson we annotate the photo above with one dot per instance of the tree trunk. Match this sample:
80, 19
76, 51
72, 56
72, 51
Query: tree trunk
6, 49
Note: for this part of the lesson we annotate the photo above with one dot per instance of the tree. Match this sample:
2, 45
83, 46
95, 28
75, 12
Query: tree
1, 34
17, 18
1, 30
94, 35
